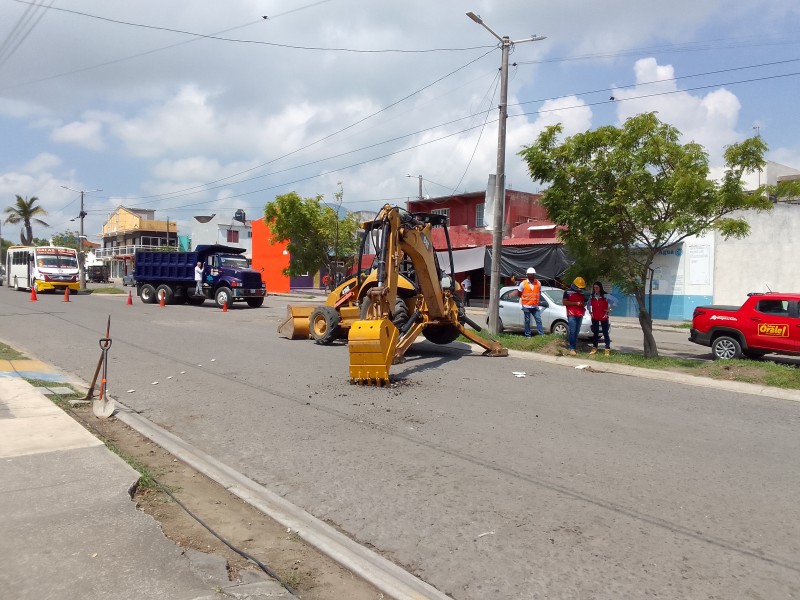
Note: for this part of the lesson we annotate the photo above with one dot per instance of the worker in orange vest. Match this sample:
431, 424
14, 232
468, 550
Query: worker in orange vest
530, 291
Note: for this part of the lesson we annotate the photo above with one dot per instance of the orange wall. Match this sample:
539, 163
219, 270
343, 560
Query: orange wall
271, 259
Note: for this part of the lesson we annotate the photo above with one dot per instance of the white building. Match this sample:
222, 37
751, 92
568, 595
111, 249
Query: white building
214, 229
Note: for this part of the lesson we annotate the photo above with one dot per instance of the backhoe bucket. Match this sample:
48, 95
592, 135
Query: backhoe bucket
372, 344
296, 324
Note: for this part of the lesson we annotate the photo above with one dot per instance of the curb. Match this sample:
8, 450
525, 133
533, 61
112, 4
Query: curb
369, 566
659, 375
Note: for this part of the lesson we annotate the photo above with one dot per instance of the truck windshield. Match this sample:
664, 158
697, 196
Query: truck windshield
233, 262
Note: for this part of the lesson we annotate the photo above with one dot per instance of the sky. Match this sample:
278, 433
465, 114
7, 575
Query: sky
195, 108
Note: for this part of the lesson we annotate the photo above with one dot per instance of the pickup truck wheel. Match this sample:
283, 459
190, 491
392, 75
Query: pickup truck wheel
166, 290
726, 348
255, 302
148, 294
324, 321
224, 296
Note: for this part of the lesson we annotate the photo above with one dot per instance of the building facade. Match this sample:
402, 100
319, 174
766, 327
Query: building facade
131, 229
235, 231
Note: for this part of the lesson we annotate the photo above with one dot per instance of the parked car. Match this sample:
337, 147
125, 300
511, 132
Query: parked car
128, 280
765, 323
554, 314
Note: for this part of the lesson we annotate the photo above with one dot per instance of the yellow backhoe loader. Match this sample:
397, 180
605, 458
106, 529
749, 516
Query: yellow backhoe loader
378, 338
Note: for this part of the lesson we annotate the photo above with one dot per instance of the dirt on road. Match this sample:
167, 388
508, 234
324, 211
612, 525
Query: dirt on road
310, 574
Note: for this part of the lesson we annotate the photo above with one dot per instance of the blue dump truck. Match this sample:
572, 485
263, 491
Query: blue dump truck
226, 277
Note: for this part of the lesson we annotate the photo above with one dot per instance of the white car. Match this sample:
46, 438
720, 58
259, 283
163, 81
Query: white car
554, 314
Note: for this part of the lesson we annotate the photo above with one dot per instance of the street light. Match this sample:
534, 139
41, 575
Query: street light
499, 184
81, 237
338, 195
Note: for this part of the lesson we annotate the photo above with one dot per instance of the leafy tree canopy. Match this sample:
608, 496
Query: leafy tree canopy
310, 230
67, 239
626, 193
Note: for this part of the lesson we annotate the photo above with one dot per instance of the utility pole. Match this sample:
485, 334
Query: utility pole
419, 197
499, 184
81, 237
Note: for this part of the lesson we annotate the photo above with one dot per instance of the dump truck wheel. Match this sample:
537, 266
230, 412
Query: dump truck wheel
223, 296
148, 294
169, 295
255, 302
441, 334
324, 321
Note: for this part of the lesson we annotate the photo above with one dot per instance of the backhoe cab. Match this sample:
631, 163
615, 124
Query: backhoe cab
379, 338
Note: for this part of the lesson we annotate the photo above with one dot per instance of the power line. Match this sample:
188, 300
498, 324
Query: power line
16, 36
258, 42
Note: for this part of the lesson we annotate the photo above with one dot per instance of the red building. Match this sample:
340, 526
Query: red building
528, 234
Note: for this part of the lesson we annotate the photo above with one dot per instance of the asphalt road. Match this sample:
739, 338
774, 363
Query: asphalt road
561, 484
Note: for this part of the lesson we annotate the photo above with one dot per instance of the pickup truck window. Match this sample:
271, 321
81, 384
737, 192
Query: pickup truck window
773, 307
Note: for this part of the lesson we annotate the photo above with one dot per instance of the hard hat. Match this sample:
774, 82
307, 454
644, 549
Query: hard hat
579, 283
531, 271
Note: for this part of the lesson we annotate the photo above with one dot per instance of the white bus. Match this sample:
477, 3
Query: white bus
43, 268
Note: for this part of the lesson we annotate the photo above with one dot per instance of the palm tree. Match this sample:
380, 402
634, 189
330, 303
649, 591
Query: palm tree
25, 212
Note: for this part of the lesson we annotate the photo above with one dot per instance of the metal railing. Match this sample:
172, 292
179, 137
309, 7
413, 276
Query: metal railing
129, 250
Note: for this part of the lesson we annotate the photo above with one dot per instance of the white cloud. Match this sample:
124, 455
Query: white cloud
709, 119
41, 163
87, 134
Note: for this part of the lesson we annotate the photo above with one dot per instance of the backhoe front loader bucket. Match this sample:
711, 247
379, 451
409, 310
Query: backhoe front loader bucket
372, 344
297, 322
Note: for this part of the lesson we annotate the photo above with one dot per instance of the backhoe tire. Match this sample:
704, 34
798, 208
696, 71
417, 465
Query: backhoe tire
399, 315
324, 325
148, 294
441, 334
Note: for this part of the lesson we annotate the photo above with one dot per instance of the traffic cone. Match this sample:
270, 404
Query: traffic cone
66, 294
33, 294
224, 307
162, 302
130, 298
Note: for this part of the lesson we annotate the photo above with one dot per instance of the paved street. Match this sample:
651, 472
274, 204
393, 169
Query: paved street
562, 484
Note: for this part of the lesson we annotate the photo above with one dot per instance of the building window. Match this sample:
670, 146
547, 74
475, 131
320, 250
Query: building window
249, 233
233, 236
479, 222
442, 211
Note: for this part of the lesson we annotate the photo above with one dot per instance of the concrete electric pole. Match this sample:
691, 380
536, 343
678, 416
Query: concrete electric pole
81, 237
499, 189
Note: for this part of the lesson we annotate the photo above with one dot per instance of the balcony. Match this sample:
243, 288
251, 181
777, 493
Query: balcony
119, 252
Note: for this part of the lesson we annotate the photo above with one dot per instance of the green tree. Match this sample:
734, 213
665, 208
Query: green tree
627, 193
26, 212
67, 239
310, 230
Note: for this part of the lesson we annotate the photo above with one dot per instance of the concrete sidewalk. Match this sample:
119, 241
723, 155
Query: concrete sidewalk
70, 529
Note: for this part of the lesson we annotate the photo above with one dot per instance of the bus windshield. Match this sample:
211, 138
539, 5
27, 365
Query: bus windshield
57, 261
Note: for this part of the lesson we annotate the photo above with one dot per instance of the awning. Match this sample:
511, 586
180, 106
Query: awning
468, 259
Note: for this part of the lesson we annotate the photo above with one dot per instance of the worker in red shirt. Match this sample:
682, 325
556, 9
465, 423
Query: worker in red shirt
601, 304
575, 302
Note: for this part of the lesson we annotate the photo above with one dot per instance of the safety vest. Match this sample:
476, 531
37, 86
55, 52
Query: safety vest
574, 311
531, 293
599, 308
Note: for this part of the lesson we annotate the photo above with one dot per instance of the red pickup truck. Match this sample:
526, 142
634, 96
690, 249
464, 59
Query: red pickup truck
765, 323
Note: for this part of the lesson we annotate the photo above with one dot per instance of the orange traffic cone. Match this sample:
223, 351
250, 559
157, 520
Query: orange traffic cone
33, 294
130, 298
162, 302
66, 294
224, 307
